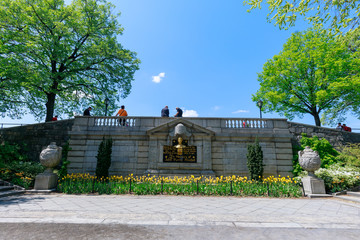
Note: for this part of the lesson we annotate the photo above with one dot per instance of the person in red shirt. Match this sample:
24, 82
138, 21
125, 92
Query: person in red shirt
122, 113
346, 128
54, 118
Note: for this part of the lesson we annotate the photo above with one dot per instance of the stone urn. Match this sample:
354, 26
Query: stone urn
50, 157
309, 160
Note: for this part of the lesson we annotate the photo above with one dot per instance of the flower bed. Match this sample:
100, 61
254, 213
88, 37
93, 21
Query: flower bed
151, 185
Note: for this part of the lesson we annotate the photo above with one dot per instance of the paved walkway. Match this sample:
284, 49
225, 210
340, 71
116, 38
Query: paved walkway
328, 215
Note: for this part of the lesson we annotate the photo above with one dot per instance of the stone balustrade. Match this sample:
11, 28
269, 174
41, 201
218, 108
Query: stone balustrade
220, 123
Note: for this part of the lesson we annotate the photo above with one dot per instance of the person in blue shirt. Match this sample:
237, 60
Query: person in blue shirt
179, 112
165, 112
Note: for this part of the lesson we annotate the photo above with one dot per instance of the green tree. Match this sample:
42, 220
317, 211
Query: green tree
61, 58
313, 74
340, 15
255, 160
104, 158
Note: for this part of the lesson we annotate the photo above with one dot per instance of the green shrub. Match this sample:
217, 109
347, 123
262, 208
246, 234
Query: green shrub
104, 158
338, 178
327, 153
11, 152
297, 169
21, 173
14, 166
255, 160
350, 155
63, 171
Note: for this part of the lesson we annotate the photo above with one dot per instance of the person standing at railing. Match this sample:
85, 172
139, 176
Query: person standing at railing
54, 118
179, 112
87, 111
165, 112
339, 127
122, 113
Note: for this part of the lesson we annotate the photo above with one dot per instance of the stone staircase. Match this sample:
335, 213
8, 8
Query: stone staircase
353, 196
9, 189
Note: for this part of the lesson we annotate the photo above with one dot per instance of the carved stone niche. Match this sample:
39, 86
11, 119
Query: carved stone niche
180, 147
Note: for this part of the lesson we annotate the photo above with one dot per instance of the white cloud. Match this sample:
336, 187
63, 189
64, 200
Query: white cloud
241, 111
158, 78
216, 108
190, 113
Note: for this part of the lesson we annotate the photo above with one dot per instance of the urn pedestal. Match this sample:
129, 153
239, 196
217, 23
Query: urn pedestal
49, 157
310, 161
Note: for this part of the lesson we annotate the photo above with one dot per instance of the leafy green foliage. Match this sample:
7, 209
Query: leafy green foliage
255, 160
338, 178
327, 153
11, 152
339, 15
63, 171
350, 155
297, 169
314, 73
58, 58
15, 168
104, 158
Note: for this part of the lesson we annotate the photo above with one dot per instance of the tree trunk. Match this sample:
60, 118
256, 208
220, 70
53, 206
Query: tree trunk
50, 104
317, 119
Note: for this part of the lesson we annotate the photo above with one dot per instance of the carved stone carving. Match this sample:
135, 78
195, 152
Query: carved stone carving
309, 160
50, 157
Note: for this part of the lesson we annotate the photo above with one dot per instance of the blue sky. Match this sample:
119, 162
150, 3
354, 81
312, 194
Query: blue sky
202, 56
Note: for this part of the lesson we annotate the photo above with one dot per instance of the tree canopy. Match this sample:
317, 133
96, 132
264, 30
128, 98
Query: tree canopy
339, 15
313, 74
57, 58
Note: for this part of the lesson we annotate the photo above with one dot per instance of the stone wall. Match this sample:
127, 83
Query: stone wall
221, 145
335, 137
138, 147
37, 136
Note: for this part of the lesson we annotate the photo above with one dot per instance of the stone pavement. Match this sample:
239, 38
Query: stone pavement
328, 217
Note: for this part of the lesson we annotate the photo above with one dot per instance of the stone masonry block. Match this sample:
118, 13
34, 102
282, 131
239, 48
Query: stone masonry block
284, 156
142, 165
75, 165
284, 150
217, 155
284, 162
217, 167
285, 168
143, 148
78, 148
77, 142
75, 159
76, 154
217, 161
142, 160
283, 145
142, 154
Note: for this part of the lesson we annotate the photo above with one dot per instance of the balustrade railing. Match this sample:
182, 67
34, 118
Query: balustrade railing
115, 121
135, 121
246, 123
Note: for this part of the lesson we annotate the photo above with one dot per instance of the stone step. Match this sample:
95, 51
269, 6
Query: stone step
11, 193
6, 188
348, 198
354, 194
